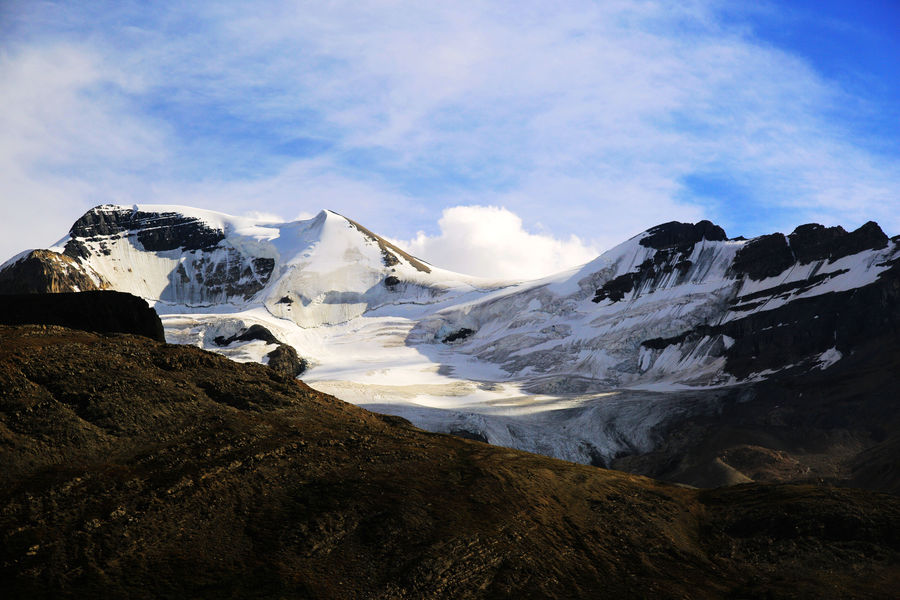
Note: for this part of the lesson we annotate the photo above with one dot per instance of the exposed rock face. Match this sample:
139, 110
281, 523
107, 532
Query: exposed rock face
232, 277
762, 257
840, 424
806, 327
99, 311
668, 262
44, 271
813, 242
674, 242
133, 468
459, 334
791, 334
773, 328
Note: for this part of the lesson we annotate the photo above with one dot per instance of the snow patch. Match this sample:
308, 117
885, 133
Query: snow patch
828, 358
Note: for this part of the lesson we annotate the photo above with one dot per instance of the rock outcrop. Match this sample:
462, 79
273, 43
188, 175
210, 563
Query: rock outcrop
284, 359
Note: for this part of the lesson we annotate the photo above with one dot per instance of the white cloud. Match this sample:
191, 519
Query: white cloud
488, 241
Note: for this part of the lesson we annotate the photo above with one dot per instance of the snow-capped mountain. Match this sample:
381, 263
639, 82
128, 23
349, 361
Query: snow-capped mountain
324, 270
678, 304
588, 365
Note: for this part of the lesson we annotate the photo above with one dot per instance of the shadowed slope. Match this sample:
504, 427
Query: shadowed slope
138, 469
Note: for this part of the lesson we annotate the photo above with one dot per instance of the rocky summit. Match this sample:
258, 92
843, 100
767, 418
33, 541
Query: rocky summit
132, 468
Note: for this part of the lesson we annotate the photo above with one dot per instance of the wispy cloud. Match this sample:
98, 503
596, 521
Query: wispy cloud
592, 119
69, 138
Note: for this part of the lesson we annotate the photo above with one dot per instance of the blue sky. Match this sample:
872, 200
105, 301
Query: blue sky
527, 134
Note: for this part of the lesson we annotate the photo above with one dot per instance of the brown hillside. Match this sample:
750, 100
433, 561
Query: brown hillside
132, 468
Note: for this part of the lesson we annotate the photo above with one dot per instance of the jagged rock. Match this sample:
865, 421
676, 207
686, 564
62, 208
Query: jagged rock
674, 243
98, 311
649, 273
210, 269
813, 242
45, 271
283, 359
792, 333
771, 255
155, 231
616, 288
868, 236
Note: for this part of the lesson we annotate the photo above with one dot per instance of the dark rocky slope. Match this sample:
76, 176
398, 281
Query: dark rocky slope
791, 334
841, 424
99, 311
136, 469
